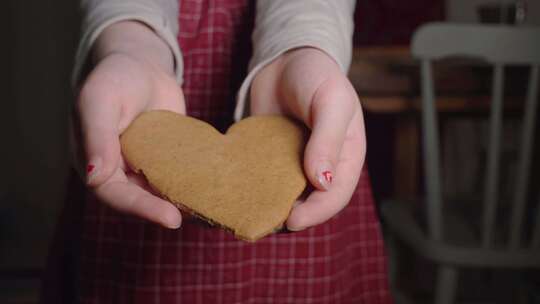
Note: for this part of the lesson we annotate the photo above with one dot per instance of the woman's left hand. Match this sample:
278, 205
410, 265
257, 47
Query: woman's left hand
308, 84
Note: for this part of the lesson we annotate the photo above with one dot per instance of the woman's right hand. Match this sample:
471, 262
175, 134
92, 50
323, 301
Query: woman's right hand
133, 72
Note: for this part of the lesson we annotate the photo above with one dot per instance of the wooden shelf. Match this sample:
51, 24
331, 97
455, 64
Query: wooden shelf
457, 104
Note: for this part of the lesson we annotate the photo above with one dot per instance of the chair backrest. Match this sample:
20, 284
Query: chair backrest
500, 46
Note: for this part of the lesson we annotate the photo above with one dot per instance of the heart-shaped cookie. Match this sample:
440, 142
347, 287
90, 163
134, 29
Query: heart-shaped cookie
245, 181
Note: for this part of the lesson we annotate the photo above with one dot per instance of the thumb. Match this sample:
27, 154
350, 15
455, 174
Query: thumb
99, 118
332, 109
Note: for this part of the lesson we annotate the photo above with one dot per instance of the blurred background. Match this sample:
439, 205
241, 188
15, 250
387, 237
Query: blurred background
37, 55
40, 39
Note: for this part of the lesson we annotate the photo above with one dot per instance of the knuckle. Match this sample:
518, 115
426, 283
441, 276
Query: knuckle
336, 91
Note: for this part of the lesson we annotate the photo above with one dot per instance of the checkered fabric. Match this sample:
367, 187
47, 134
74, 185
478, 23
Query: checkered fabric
127, 260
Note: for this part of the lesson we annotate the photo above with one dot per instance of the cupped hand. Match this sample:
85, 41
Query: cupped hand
308, 84
125, 82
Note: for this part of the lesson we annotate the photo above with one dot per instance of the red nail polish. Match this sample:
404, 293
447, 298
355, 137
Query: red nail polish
89, 168
327, 176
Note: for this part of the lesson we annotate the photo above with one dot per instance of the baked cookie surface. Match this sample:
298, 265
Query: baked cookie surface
245, 181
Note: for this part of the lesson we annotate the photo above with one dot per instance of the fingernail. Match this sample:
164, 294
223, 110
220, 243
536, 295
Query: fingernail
325, 176
296, 229
172, 220
92, 169
173, 225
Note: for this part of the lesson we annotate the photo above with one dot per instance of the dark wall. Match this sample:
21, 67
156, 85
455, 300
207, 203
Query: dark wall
392, 22
39, 47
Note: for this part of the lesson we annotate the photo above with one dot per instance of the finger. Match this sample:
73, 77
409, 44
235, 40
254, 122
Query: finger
128, 197
140, 180
332, 109
322, 205
165, 94
169, 96
99, 116
112, 96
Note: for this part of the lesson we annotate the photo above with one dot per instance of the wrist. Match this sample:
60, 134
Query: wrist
136, 40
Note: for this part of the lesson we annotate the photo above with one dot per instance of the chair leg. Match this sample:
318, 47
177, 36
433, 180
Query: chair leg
393, 251
447, 278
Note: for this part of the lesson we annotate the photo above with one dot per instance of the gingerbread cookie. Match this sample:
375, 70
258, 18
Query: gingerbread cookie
245, 181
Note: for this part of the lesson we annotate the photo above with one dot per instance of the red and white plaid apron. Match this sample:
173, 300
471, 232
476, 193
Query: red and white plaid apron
123, 259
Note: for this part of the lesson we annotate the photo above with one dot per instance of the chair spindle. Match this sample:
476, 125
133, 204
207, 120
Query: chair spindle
493, 156
520, 194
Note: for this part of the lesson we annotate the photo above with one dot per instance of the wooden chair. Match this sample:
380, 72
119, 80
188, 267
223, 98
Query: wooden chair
500, 46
